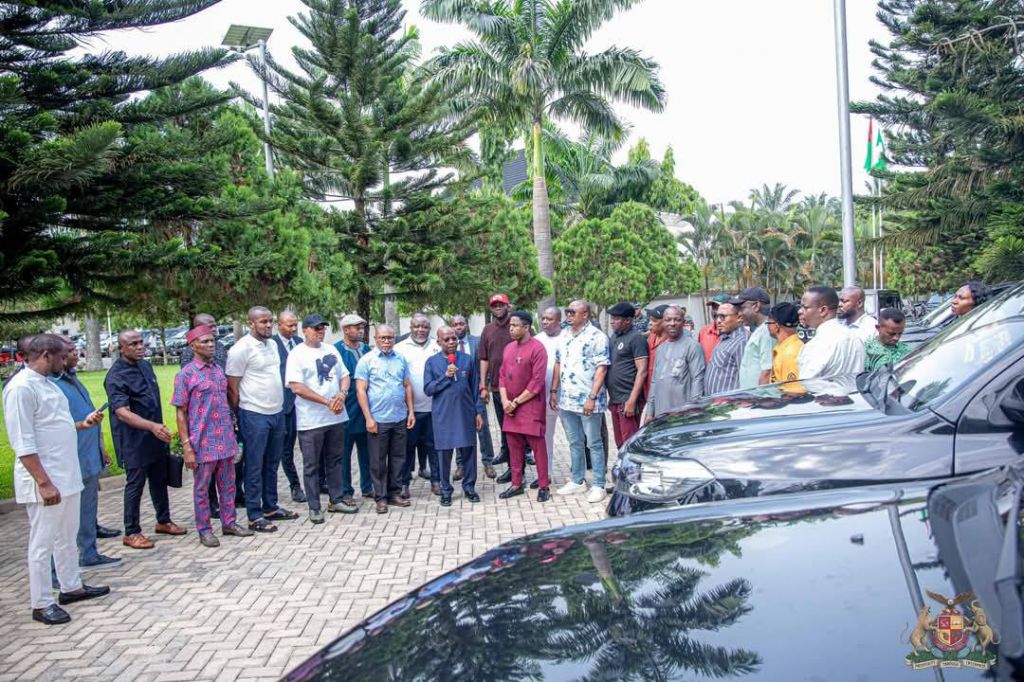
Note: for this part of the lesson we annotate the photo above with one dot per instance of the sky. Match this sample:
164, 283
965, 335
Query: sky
751, 84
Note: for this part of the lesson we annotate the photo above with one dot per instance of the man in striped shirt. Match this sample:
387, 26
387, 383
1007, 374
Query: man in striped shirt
723, 371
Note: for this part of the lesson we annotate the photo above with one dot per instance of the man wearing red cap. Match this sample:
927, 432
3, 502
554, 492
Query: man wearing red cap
493, 340
207, 434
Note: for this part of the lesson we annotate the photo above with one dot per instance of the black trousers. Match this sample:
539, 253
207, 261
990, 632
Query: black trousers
156, 474
288, 451
324, 444
387, 458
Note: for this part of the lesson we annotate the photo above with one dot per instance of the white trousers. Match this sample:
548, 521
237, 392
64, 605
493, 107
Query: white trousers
549, 436
52, 532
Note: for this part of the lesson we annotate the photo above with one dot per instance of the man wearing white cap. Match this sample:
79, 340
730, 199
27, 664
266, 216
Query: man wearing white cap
352, 347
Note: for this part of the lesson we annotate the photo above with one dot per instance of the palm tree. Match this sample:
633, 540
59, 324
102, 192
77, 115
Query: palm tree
705, 239
527, 65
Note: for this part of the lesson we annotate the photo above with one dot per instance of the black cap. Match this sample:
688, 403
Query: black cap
785, 314
658, 311
751, 294
623, 309
314, 320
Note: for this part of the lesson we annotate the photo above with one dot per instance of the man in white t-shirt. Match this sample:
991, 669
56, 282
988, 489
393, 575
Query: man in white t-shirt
549, 337
317, 376
47, 477
255, 391
416, 349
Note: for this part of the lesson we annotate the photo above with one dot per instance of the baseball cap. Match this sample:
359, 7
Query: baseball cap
314, 320
785, 314
657, 312
751, 294
350, 320
622, 309
718, 299
498, 298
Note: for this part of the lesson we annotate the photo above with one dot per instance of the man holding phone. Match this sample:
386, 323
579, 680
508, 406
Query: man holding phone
92, 459
140, 438
47, 481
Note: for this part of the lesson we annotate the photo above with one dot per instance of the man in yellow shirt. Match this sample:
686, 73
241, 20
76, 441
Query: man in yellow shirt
783, 319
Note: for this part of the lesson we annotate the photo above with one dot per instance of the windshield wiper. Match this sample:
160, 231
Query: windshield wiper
981, 554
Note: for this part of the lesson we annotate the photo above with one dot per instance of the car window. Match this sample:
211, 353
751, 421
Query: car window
960, 352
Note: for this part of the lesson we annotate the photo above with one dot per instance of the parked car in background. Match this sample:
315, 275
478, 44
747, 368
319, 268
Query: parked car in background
815, 585
948, 408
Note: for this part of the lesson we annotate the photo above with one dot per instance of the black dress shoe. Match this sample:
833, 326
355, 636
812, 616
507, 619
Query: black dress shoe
531, 461
51, 615
500, 459
535, 484
512, 491
505, 477
446, 500
425, 474
543, 495
404, 494
472, 496
86, 593
103, 532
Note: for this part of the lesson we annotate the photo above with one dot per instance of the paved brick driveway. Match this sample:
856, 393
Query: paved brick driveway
255, 607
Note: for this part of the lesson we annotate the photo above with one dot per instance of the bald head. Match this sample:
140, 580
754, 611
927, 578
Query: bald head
551, 321
204, 320
419, 328
261, 323
851, 304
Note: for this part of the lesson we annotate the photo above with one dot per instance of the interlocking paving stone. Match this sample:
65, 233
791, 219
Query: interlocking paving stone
254, 608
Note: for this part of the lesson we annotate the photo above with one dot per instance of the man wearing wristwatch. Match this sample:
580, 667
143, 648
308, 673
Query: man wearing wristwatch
317, 376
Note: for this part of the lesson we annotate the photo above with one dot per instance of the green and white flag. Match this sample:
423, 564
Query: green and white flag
876, 150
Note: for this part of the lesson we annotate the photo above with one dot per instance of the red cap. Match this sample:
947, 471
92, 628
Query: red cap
498, 298
199, 332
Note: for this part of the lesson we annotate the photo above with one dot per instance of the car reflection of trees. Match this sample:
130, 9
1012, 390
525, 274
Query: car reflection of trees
614, 606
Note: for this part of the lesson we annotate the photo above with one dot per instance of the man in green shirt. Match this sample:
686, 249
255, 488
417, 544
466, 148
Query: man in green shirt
886, 348
756, 365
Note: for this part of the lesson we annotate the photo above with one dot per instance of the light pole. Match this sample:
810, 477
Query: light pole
242, 39
846, 172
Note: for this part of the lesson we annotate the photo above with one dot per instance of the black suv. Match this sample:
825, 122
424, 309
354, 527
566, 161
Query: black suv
953, 406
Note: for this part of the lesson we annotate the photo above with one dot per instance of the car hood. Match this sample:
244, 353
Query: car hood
750, 415
708, 591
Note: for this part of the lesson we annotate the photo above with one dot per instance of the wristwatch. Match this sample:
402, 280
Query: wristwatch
592, 396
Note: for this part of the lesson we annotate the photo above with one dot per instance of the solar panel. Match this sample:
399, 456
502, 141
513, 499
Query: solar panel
245, 36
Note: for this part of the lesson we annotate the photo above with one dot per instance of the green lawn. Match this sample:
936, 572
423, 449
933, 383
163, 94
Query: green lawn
93, 381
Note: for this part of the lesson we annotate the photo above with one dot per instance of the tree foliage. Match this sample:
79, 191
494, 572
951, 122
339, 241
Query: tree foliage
73, 191
629, 255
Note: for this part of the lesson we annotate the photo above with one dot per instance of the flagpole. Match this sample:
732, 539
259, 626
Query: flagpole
846, 172
881, 252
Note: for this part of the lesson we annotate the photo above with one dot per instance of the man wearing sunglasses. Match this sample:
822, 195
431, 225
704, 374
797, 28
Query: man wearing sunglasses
723, 371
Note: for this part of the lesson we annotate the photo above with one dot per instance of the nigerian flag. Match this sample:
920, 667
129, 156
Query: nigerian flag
876, 149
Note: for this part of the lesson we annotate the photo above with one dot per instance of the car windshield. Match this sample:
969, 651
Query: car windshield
937, 315
952, 358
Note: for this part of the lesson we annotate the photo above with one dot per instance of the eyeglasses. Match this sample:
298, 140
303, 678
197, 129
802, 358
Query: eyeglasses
385, 338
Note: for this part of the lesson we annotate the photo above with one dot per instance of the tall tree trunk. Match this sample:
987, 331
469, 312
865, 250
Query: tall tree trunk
542, 216
391, 307
163, 344
93, 351
238, 330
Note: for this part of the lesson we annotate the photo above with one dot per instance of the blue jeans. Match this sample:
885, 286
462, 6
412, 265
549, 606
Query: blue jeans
87, 551
421, 436
358, 440
576, 425
262, 438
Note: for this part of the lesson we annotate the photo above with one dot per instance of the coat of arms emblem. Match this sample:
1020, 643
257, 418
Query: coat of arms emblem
945, 640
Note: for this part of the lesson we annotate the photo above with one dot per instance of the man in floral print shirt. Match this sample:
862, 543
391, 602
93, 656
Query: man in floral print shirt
577, 390
207, 435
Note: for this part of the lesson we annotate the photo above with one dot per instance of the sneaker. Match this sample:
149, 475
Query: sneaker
572, 488
101, 561
596, 495
316, 516
297, 495
341, 507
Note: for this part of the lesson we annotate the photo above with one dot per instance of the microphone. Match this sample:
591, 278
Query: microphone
451, 361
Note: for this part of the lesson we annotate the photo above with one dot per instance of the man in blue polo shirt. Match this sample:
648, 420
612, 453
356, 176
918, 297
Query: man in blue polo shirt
91, 458
352, 349
384, 391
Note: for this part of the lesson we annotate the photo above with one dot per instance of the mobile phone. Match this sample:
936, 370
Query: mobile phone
103, 407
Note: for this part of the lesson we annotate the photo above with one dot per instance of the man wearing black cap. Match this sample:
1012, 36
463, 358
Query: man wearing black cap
783, 319
655, 338
707, 337
627, 374
756, 364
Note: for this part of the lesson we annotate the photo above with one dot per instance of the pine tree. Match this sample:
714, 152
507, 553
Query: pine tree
368, 131
952, 81
72, 195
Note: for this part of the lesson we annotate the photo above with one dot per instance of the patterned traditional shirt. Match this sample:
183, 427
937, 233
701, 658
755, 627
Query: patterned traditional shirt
202, 389
220, 355
877, 354
723, 372
579, 355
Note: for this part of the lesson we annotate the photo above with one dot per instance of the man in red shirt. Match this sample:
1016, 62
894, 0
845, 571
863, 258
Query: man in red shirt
521, 390
707, 337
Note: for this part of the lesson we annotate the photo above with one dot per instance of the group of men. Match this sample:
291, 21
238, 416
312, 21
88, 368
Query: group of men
420, 401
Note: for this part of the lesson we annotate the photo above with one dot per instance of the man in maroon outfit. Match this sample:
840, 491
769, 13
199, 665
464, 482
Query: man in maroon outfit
521, 386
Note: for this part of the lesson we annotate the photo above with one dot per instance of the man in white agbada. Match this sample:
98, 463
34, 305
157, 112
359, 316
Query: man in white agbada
834, 350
